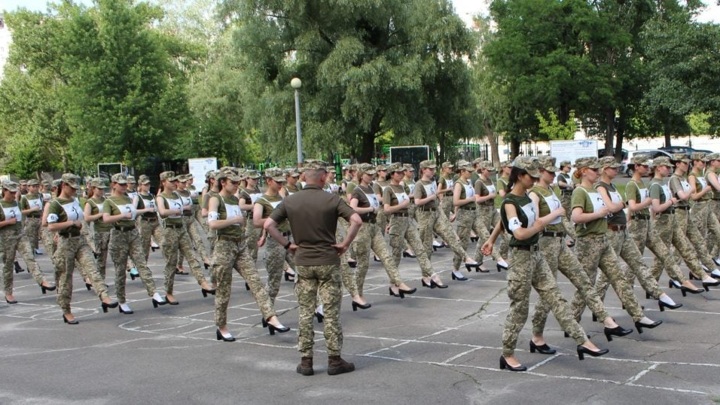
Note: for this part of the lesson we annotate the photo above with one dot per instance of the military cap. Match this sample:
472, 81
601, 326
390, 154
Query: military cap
276, 174
366, 168
56, 183
712, 156
428, 164
547, 163
487, 165
394, 168
45, 183
662, 161
210, 174
590, 162
380, 168
320, 165
71, 180
33, 182
331, 169
408, 167
98, 183
251, 174
291, 172
608, 161
680, 157
182, 178
23, 182
463, 165
565, 163
168, 175
477, 161
227, 174
143, 179
698, 156
119, 178
529, 164
447, 164
10, 186
641, 159
131, 179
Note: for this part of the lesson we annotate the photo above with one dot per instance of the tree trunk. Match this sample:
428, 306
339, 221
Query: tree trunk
367, 149
492, 140
620, 137
666, 130
514, 148
610, 131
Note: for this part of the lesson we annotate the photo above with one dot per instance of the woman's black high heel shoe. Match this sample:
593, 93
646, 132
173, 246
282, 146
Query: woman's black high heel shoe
18, 269
618, 331
406, 254
501, 268
73, 322
639, 326
206, 292
289, 277
582, 351
684, 290
504, 365
542, 349
663, 305
88, 286
407, 292
320, 317
222, 337
399, 293
691, 276
247, 286
458, 278
432, 284
428, 285
356, 305
105, 306
272, 329
46, 289
352, 263
171, 302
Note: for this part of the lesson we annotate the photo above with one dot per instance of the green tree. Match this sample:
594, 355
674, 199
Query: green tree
554, 129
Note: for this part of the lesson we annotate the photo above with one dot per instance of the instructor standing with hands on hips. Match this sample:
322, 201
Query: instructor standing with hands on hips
313, 216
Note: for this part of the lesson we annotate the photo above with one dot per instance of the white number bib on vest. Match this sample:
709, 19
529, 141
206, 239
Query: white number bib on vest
13, 212
401, 197
685, 185
469, 191
127, 208
174, 204
529, 210
430, 189
232, 211
553, 203
73, 210
702, 181
35, 203
491, 189
596, 200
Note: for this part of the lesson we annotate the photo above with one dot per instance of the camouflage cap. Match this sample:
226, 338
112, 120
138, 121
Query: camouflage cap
320, 165
189, 176
10, 185
143, 179
680, 157
71, 180
477, 161
408, 167
210, 174
182, 178
33, 182
590, 162
641, 159
56, 183
366, 168
662, 161
529, 164
507, 163
447, 164
608, 161
98, 183
380, 168
547, 163
394, 168
276, 174
45, 183
119, 178
250, 174
291, 172
698, 156
463, 165
352, 167
712, 156
565, 163
485, 165
428, 164
23, 182
169, 176
131, 179
227, 174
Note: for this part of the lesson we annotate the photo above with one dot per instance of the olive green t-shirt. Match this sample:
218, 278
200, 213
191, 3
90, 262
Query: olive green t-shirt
11, 209
32, 200
229, 207
502, 183
484, 188
548, 202
590, 201
147, 201
366, 198
526, 216
64, 210
268, 204
172, 201
679, 183
121, 205
637, 192
617, 218
394, 195
424, 189
700, 183
446, 185
98, 224
659, 190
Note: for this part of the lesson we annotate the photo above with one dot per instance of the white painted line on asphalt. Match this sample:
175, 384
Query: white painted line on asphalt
642, 373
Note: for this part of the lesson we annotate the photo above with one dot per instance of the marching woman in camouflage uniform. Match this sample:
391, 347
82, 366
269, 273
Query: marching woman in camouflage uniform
189, 218
231, 252
379, 185
620, 239
468, 219
291, 183
445, 190
566, 186
528, 268
713, 168
175, 236
701, 193
396, 203
248, 195
275, 255
648, 233
66, 218
559, 257
93, 217
485, 193
31, 205
125, 242
502, 182
431, 219
13, 239
593, 247
366, 203
48, 236
680, 189
147, 218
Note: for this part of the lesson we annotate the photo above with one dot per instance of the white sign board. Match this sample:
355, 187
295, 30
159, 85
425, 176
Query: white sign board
572, 150
198, 167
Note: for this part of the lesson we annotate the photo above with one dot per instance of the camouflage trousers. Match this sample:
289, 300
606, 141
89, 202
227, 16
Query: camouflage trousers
252, 235
645, 233
89, 235
490, 217
707, 224
401, 231
381, 220
349, 277
322, 282
593, 252
275, 258
696, 240
102, 240
124, 245
32, 231
529, 269
626, 248
715, 209
12, 241
369, 237
198, 238
559, 257
229, 254
565, 201
69, 251
446, 205
431, 222
674, 229
48, 240
149, 230
174, 240
340, 233
467, 221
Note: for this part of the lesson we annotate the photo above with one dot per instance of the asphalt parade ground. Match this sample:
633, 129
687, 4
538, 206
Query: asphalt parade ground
436, 346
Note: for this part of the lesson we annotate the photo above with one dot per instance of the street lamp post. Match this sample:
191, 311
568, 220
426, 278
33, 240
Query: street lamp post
296, 83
